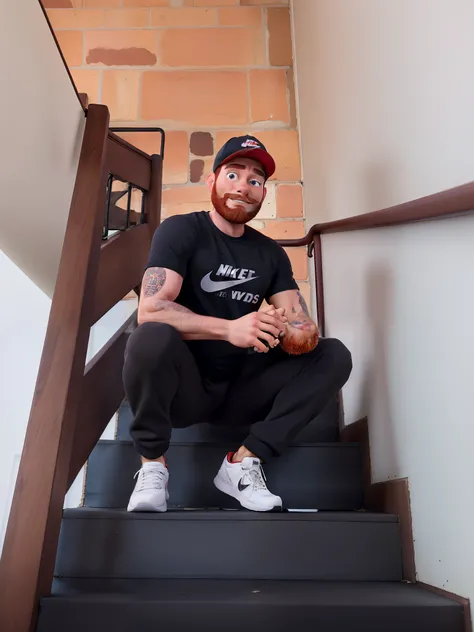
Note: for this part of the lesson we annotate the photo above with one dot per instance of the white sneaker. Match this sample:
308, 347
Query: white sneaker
245, 481
151, 489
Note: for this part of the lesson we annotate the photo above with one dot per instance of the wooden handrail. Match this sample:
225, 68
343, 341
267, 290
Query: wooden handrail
72, 403
449, 203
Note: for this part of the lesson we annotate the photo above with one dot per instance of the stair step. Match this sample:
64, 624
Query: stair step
212, 605
354, 546
321, 476
324, 428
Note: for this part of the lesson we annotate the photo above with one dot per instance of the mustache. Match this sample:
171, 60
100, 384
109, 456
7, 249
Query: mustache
248, 199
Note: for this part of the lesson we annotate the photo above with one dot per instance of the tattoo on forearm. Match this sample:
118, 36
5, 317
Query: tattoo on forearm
304, 307
153, 281
161, 305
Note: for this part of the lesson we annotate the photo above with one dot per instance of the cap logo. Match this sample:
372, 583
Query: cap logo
250, 143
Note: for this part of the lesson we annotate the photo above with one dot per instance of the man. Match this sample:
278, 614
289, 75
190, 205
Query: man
204, 351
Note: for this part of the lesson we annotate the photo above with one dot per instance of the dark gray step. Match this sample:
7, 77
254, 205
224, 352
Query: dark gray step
324, 476
324, 428
267, 606
355, 546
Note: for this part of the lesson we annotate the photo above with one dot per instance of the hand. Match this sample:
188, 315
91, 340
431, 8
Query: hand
301, 336
254, 328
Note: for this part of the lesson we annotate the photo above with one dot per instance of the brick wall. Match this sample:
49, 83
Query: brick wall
203, 70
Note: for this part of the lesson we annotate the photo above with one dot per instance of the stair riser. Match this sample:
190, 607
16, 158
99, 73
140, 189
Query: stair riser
211, 617
238, 549
325, 427
322, 477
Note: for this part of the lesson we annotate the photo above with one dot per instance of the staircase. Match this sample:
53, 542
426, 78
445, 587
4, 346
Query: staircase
207, 565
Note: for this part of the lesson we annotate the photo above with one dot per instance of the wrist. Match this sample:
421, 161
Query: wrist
226, 330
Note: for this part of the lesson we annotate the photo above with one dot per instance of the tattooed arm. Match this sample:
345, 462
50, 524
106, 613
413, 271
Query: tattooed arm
302, 333
160, 287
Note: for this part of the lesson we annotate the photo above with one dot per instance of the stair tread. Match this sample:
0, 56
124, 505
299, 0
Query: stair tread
272, 592
338, 445
92, 513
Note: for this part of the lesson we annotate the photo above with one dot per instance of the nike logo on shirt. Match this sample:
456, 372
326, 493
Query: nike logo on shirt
208, 285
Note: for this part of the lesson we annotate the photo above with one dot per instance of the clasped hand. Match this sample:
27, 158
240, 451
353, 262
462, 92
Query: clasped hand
253, 329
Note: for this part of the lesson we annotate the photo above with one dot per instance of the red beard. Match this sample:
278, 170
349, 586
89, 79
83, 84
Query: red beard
234, 215
297, 342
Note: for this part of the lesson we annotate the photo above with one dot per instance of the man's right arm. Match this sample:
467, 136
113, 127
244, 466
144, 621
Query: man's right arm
161, 286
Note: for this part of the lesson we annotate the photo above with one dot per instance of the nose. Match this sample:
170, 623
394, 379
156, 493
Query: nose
243, 186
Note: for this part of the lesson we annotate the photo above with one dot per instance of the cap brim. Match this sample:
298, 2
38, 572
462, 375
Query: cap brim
260, 155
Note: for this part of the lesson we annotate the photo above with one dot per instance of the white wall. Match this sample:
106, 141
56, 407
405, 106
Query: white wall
24, 316
23, 323
385, 101
41, 128
402, 300
385, 105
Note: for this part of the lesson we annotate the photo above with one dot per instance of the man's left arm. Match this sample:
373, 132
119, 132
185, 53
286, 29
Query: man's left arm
302, 334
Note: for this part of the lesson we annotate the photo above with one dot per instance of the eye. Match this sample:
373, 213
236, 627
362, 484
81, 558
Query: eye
255, 183
231, 175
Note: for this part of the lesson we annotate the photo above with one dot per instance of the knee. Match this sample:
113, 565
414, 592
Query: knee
341, 358
151, 344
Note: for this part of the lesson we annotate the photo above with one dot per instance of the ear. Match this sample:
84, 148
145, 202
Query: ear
211, 178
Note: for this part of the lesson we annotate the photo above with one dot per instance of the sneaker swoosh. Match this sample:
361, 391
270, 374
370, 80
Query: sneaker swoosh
241, 486
208, 285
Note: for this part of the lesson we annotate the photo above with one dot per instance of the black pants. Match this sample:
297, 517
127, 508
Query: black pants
276, 393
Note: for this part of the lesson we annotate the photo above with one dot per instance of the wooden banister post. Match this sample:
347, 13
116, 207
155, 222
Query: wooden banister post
153, 200
27, 564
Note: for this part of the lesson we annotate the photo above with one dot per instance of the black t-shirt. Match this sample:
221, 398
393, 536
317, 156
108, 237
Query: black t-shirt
224, 277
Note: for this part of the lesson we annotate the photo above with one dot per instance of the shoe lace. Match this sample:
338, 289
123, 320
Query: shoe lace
258, 477
149, 479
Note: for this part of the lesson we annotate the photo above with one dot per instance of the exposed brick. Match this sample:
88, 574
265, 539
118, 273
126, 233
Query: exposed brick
121, 48
100, 4
120, 93
126, 18
201, 144
70, 43
277, 229
175, 164
195, 98
206, 169
186, 16
299, 262
279, 37
212, 47
268, 96
178, 195
76, 19
215, 3
145, 3
257, 224
262, 2
180, 200
240, 16
289, 199
283, 145
291, 92
87, 81
268, 210
196, 170
57, 4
